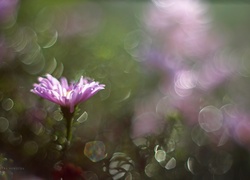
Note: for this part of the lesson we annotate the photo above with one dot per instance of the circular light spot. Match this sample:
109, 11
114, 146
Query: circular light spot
83, 117
160, 155
143, 143
136, 43
57, 115
61, 140
171, 164
58, 147
30, 148
54, 138
52, 40
165, 107
220, 163
193, 166
95, 151
4, 124
150, 170
210, 119
7, 104
170, 147
199, 136
120, 164
105, 94
37, 128
59, 70
51, 66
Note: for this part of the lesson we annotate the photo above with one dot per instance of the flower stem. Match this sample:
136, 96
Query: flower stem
69, 131
69, 121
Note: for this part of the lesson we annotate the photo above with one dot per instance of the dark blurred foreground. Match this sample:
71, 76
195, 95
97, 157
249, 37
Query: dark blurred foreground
176, 101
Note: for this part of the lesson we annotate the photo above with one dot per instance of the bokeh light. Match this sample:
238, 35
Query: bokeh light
95, 151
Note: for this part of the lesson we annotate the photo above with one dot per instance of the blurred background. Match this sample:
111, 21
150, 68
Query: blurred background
176, 101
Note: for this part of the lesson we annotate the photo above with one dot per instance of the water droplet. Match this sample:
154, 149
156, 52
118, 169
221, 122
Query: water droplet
4, 124
95, 151
7, 104
171, 164
210, 119
160, 155
83, 117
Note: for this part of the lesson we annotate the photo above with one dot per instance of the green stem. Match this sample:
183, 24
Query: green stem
69, 130
69, 121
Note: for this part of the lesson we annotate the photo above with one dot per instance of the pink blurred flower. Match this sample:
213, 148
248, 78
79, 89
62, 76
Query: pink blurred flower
147, 120
183, 26
8, 10
63, 94
237, 121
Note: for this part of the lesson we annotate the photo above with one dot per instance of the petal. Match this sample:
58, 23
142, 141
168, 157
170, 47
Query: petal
64, 83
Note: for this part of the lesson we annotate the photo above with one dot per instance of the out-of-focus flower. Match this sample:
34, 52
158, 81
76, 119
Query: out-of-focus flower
64, 94
237, 121
183, 27
8, 9
147, 121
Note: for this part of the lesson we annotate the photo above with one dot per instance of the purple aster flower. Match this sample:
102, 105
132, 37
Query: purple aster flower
64, 94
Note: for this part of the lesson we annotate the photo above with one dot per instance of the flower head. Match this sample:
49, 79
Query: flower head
65, 94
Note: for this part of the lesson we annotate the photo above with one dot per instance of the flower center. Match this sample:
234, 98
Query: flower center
68, 93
